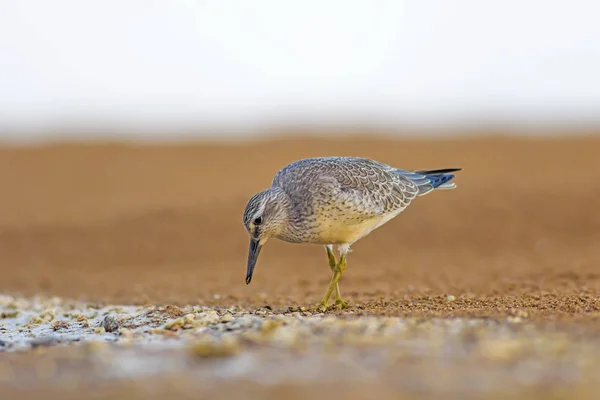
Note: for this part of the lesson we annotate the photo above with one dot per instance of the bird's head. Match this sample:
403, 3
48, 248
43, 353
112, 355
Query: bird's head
265, 216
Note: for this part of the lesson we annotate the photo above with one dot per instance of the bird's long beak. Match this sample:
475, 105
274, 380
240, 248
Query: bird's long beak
253, 253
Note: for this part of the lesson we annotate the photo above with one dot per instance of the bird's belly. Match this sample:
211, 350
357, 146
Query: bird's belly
343, 231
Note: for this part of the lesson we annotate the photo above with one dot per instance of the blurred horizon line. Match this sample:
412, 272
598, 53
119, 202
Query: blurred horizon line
111, 132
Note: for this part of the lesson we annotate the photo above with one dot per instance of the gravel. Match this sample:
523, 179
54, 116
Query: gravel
273, 348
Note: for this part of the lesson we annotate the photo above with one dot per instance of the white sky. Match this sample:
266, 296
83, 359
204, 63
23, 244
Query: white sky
169, 63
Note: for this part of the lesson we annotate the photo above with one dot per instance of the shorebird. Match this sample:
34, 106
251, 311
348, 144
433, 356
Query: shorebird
333, 201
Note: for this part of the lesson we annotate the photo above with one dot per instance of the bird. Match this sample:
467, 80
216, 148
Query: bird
333, 201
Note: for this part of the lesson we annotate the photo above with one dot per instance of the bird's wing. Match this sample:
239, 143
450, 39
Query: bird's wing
367, 188
373, 187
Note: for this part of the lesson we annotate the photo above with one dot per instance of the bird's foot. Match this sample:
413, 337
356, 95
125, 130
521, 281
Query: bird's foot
341, 304
321, 307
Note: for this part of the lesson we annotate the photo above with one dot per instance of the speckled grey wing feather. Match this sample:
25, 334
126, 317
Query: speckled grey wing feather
366, 187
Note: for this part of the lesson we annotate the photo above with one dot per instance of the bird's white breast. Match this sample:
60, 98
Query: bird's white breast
332, 230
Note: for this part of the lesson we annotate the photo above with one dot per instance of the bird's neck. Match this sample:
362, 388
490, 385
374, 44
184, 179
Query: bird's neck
291, 232
290, 229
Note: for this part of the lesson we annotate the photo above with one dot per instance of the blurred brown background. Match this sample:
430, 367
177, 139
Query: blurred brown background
146, 220
162, 223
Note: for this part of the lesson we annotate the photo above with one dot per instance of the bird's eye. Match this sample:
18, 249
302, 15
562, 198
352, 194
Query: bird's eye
258, 221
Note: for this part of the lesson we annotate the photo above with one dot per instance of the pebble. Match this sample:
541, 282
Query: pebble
210, 316
226, 318
110, 323
48, 315
9, 314
56, 325
175, 324
188, 319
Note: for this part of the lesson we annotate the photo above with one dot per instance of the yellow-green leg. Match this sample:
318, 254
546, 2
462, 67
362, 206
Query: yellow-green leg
332, 265
339, 302
337, 269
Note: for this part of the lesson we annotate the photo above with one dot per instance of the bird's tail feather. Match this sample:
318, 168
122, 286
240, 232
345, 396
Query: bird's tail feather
428, 180
437, 171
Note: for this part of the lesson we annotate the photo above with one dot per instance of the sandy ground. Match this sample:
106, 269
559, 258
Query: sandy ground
151, 226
